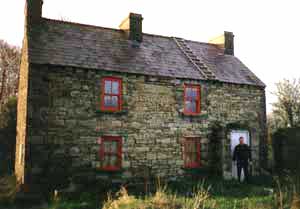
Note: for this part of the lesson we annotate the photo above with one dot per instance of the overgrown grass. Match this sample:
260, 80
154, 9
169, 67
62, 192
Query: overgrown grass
279, 193
7, 189
205, 195
185, 194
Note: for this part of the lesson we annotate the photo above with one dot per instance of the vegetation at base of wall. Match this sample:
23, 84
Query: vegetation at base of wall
286, 145
8, 121
7, 189
186, 194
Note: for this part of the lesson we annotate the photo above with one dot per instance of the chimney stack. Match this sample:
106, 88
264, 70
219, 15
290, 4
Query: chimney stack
225, 41
33, 11
229, 43
132, 25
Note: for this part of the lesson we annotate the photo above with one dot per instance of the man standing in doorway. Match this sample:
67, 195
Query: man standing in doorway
242, 157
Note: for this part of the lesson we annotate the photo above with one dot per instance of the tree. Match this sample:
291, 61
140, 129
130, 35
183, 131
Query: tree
286, 111
10, 58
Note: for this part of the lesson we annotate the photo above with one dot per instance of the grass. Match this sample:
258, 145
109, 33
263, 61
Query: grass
200, 198
7, 189
186, 194
280, 193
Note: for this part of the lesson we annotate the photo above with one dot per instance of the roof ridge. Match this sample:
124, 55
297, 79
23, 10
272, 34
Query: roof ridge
119, 30
81, 24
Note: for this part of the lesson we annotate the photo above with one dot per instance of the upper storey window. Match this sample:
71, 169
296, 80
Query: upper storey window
111, 94
191, 99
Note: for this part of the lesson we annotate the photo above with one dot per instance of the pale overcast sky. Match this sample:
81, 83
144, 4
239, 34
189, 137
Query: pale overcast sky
266, 31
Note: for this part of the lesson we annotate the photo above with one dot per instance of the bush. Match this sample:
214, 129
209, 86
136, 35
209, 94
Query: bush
7, 189
8, 118
286, 146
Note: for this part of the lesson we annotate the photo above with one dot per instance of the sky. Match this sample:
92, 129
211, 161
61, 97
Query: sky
266, 31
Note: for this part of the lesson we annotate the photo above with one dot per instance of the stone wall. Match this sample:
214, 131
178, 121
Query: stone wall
22, 115
65, 121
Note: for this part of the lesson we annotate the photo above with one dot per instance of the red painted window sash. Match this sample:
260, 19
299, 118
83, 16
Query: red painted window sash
118, 154
197, 100
186, 153
103, 94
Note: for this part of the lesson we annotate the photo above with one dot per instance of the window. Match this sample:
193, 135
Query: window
191, 99
192, 152
111, 153
111, 94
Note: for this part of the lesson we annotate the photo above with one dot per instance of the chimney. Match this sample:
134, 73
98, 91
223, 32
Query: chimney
225, 41
229, 43
132, 25
33, 11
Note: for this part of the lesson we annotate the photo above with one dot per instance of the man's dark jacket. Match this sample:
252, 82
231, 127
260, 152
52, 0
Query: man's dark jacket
242, 153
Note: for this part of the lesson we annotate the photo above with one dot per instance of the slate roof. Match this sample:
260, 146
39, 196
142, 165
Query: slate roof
71, 44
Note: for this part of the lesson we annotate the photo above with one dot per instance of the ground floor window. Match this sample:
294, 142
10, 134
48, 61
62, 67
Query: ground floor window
111, 153
191, 152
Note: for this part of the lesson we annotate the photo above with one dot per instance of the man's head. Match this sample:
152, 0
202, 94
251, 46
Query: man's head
241, 140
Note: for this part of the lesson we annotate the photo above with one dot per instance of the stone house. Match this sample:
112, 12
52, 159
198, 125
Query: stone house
119, 103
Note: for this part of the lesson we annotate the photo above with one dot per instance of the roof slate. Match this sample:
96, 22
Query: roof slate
70, 44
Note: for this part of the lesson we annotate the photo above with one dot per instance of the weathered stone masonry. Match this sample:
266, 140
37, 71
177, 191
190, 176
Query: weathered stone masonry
63, 111
22, 114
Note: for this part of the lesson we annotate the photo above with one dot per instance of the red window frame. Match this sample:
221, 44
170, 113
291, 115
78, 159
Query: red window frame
186, 98
118, 154
119, 95
196, 141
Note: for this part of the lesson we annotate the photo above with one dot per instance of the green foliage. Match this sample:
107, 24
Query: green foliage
206, 195
185, 194
8, 118
215, 149
84, 201
7, 189
286, 146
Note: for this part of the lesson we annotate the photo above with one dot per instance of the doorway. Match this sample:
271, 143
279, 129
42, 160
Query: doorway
234, 140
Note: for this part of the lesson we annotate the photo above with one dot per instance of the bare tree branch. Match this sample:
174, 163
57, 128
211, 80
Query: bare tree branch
287, 109
10, 57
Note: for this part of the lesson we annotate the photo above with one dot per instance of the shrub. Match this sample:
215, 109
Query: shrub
7, 189
8, 118
286, 145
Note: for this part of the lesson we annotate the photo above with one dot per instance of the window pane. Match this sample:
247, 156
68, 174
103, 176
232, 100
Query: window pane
110, 146
114, 101
107, 87
106, 161
191, 93
188, 92
190, 106
191, 146
191, 158
110, 160
187, 158
115, 87
107, 146
114, 160
114, 146
107, 101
